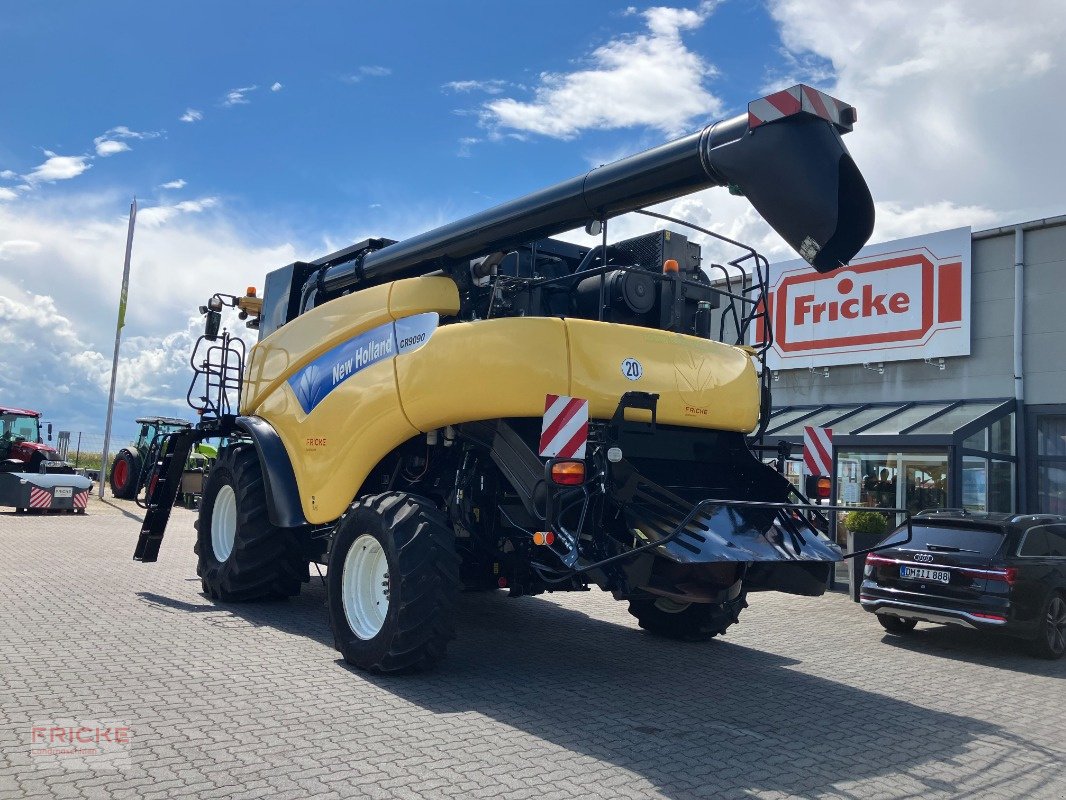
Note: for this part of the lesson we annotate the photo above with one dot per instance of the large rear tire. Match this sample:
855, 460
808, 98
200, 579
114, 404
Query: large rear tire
241, 555
690, 622
393, 583
125, 473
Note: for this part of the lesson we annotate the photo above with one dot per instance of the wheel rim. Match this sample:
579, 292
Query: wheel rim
669, 606
1056, 625
224, 523
122, 473
365, 587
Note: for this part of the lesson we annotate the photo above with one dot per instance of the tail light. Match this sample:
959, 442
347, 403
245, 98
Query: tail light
568, 473
873, 558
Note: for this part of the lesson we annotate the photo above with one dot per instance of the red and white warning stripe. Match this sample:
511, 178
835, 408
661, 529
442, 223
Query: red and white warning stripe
564, 433
81, 499
800, 98
40, 498
818, 450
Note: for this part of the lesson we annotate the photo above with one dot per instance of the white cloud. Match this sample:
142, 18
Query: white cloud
946, 95
276, 86
160, 215
58, 168
650, 79
7, 194
108, 147
60, 302
177, 184
191, 115
371, 71
13, 248
8, 174
109, 143
488, 87
237, 97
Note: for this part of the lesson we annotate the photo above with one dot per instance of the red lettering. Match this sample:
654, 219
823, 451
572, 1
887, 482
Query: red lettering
849, 309
872, 302
803, 305
899, 303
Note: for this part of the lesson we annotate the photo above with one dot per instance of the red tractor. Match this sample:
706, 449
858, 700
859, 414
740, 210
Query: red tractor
21, 446
32, 474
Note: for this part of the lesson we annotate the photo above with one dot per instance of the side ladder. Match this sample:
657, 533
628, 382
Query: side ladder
162, 491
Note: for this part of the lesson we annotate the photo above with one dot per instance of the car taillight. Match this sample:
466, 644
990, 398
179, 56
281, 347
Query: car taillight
872, 558
873, 561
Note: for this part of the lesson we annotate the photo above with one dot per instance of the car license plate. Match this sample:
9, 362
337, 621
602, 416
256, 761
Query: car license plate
64, 491
923, 574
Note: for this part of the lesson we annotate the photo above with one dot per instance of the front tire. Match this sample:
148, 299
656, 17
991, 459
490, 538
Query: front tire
241, 555
1050, 642
690, 622
125, 473
392, 584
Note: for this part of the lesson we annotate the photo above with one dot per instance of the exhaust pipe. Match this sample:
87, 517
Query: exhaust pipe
785, 155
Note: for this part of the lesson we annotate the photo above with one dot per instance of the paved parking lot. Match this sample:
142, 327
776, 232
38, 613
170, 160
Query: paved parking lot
551, 697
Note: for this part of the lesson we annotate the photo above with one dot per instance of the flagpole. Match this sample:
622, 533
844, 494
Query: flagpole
118, 340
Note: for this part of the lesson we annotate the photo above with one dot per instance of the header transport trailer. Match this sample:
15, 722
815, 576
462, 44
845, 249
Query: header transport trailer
482, 406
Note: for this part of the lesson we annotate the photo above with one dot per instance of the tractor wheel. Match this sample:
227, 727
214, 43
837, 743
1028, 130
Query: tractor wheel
125, 472
690, 622
392, 584
241, 555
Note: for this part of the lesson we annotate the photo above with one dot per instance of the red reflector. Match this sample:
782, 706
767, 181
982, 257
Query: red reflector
997, 617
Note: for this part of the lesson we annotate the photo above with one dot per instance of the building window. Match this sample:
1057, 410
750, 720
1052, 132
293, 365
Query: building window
1051, 463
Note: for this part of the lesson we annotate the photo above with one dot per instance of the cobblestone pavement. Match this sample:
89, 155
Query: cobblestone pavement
550, 697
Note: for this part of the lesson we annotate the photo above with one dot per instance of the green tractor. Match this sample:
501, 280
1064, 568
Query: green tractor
133, 464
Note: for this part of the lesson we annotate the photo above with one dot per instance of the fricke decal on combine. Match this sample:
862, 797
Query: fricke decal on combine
313, 383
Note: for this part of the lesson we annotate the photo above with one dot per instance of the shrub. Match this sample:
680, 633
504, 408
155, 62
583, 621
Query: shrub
866, 522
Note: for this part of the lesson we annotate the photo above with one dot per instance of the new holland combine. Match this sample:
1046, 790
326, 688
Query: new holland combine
482, 406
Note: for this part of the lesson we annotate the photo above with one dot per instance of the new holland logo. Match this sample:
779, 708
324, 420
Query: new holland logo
313, 383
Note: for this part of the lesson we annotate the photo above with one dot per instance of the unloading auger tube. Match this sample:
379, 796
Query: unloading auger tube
785, 155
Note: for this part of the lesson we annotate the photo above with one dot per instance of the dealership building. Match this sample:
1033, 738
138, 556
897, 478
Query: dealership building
937, 362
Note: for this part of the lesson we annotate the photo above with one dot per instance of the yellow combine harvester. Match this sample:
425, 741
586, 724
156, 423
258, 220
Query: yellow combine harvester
484, 407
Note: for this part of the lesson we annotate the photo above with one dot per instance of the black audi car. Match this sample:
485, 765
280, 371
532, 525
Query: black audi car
1003, 573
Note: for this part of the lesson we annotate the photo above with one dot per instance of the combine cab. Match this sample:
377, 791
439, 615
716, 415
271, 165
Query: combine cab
32, 474
485, 407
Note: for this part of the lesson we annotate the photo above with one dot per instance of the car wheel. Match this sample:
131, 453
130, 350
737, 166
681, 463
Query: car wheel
896, 625
1050, 642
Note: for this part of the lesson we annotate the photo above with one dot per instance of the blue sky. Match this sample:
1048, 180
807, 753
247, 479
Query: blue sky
255, 134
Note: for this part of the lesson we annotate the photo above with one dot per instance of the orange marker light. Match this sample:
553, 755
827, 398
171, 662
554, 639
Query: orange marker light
543, 538
670, 265
824, 485
568, 473
251, 291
